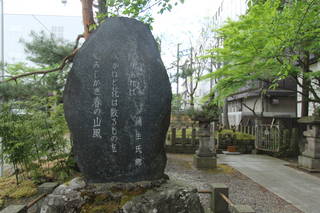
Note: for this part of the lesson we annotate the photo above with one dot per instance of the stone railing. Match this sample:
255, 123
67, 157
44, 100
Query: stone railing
182, 140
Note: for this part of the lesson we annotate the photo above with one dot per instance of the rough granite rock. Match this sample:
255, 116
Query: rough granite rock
117, 103
168, 198
65, 198
157, 196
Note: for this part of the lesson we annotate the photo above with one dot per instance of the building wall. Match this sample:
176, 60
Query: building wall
19, 26
282, 104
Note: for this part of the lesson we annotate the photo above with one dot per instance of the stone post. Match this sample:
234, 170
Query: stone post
204, 157
217, 203
310, 158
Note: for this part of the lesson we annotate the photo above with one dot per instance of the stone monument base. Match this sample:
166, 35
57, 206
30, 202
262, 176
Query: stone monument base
161, 196
204, 162
308, 163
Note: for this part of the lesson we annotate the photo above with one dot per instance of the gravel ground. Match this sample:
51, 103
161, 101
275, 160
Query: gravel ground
242, 190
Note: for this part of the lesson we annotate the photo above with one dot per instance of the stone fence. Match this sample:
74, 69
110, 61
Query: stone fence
182, 140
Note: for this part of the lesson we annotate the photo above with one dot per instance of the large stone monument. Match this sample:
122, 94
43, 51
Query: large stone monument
117, 104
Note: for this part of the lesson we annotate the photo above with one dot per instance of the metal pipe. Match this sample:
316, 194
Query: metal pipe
2, 78
2, 39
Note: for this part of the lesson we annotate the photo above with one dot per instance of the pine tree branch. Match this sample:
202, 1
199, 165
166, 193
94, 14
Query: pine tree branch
68, 59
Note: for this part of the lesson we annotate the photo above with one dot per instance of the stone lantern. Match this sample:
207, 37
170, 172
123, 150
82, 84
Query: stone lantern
204, 158
310, 158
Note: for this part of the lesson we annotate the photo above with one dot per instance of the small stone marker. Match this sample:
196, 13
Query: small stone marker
117, 104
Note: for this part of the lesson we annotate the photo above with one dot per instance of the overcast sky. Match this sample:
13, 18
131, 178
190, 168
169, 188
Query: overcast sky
179, 26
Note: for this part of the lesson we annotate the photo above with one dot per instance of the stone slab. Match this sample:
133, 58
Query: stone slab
47, 187
204, 162
309, 163
15, 209
231, 153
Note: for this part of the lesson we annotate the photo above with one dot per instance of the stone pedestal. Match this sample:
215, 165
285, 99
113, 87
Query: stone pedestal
204, 157
310, 158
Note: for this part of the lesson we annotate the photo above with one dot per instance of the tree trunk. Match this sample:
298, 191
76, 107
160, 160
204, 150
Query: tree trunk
87, 16
304, 100
192, 101
305, 86
225, 114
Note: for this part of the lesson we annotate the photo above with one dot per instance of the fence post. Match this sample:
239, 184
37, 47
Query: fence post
217, 203
184, 136
193, 137
173, 136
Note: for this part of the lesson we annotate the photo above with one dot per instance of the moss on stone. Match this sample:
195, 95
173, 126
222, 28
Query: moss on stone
106, 202
221, 168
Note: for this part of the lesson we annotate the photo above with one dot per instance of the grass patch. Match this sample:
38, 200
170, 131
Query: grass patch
9, 189
221, 168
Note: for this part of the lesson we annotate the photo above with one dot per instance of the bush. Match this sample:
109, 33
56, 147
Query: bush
33, 135
234, 135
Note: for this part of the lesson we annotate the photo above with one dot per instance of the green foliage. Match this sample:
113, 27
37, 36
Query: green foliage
139, 9
234, 134
46, 50
267, 44
176, 103
33, 133
209, 112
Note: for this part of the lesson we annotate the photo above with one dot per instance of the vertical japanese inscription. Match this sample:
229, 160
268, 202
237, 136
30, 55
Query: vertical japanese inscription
136, 83
114, 111
97, 102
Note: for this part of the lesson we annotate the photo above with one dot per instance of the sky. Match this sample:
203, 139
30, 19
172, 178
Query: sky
181, 25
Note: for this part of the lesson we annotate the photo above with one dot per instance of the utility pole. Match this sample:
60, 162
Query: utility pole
178, 60
2, 41
2, 78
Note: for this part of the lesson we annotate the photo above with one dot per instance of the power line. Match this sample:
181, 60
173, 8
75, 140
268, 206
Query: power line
44, 26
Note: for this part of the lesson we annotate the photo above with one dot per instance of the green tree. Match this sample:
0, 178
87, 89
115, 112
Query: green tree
46, 50
139, 9
269, 44
33, 137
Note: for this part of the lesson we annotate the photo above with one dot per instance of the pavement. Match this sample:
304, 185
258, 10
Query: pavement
296, 187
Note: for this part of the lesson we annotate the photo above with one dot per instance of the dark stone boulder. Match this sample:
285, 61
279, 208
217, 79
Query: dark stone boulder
136, 197
117, 104
169, 198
